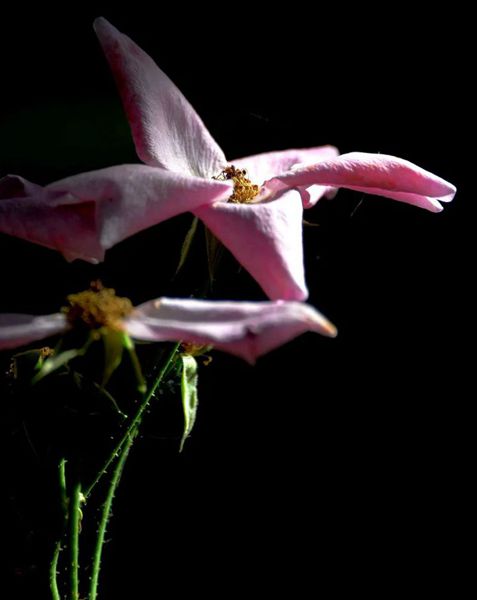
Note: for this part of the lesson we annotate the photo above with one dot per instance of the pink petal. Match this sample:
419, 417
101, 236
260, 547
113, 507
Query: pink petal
84, 215
265, 166
14, 186
58, 221
312, 194
131, 198
167, 131
377, 174
17, 330
246, 329
266, 239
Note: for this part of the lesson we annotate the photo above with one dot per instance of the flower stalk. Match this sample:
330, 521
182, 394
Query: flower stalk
121, 452
135, 421
106, 513
55, 593
74, 523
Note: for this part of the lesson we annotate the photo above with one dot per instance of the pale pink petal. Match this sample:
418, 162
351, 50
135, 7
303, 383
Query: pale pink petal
262, 167
167, 131
377, 174
58, 221
14, 186
84, 215
17, 330
266, 239
131, 198
246, 329
311, 194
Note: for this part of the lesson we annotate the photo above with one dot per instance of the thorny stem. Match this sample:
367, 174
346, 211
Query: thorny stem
74, 522
136, 420
106, 513
56, 553
121, 452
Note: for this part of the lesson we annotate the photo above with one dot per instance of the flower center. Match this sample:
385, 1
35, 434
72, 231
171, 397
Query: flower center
244, 190
97, 307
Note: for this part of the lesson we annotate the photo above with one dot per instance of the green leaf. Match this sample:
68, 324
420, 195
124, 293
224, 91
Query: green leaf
190, 398
186, 244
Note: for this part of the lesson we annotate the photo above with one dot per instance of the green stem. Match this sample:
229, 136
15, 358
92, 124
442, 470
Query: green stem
74, 522
136, 420
106, 513
55, 594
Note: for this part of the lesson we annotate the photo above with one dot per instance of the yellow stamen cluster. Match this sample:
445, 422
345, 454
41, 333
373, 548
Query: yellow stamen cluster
244, 190
191, 349
97, 307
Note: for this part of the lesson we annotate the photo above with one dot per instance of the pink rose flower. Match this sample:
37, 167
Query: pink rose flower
245, 329
254, 205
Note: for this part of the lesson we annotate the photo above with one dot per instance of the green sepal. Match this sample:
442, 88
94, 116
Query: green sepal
60, 359
190, 399
140, 381
114, 344
186, 244
214, 254
26, 362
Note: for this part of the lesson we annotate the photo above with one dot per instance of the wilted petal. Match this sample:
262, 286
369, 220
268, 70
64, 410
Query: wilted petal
130, 198
246, 329
58, 221
17, 330
167, 131
14, 186
377, 174
266, 239
265, 166
84, 215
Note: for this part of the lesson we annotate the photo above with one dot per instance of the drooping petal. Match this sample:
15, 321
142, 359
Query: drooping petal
262, 167
377, 174
246, 329
131, 198
166, 129
266, 239
14, 186
17, 330
84, 215
58, 221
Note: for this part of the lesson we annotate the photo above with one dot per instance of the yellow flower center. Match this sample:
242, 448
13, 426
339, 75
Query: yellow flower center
97, 307
244, 190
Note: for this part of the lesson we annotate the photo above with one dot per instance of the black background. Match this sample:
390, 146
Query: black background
331, 464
